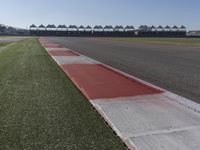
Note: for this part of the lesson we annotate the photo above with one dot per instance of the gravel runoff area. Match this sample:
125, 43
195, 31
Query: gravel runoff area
175, 68
40, 108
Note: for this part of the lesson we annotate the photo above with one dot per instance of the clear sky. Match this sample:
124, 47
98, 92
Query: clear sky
22, 13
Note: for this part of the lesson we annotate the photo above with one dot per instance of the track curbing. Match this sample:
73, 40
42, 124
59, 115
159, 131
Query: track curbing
177, 101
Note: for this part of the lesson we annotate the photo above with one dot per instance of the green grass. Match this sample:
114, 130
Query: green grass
3, 44
170, 41
40, 109
6, 36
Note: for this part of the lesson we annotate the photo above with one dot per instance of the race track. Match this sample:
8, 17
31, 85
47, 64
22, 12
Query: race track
175, 68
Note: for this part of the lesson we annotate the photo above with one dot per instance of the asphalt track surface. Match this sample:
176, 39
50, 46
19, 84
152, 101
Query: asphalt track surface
175, 68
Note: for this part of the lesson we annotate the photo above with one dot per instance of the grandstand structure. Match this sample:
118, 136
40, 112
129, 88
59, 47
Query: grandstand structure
108, 31
8, 30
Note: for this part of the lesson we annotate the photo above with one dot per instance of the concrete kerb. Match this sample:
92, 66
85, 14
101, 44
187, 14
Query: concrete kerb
60, 49
126, 140
71, 60
98, 109
172, 124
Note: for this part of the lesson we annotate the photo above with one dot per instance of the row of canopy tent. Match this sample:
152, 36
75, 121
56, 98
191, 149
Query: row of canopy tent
160, 28
106, 28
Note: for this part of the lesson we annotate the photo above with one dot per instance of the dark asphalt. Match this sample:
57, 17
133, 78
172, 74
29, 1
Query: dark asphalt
175, 68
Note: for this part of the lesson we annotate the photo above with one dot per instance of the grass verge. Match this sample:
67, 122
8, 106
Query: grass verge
169, 41
3, 44
41, 109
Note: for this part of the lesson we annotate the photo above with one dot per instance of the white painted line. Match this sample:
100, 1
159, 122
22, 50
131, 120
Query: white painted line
183, 101
166, 131
181, 140
71, 60
57, 49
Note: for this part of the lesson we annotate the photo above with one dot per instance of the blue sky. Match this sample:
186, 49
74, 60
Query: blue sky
22, 13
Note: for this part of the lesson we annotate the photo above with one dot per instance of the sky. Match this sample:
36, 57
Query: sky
23, 13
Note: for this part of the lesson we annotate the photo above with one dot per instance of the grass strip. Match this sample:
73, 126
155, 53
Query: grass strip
41, 109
